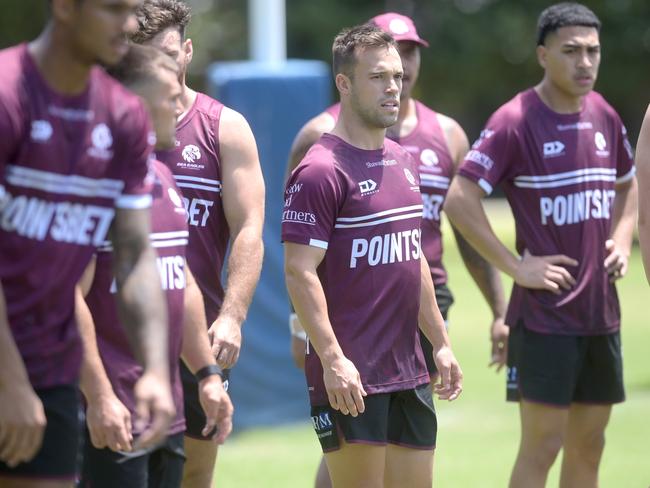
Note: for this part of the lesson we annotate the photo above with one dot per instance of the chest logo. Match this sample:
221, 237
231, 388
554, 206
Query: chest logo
41, 130
553, 149
601, 145
191, 153
101, 139
409, 176
429, 157
367, 187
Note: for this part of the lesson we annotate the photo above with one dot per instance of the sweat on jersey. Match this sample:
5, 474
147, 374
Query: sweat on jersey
428, 146
66, 163
364, 208
196, 165
169, 238
559, 173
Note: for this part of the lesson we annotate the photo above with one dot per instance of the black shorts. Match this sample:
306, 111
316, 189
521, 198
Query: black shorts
445, 300
58, 458
404, 418
159, 468
560, 370
195, 419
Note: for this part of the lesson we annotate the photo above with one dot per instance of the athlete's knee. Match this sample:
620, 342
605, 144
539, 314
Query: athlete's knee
197, 477
543, 449
588, 447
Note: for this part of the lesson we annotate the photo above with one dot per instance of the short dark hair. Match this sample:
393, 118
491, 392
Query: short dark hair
140, 65
154, 16
360, 36
565, 14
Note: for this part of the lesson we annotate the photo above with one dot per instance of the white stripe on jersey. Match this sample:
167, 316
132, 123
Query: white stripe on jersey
568, 174
63, 184
417, 215
627, 177
216, 189
567, 182
198, 179
318, 243
159, 239
134, 202
434, 181
391, 211
169, 235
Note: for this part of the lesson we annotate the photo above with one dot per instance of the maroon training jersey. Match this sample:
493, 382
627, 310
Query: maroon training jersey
196, 165
169, 238
428, 145
558, 172
65, 164
364, 208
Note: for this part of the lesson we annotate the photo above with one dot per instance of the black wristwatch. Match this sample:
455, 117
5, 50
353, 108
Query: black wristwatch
208, 370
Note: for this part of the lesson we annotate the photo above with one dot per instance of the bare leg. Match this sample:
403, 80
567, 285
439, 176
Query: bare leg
408, 467
584, 444
543, 430
323, 476
356, 466
199, 466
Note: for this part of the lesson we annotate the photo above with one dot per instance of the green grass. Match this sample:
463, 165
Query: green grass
477, 434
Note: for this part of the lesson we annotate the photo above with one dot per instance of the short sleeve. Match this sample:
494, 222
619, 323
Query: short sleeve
490, 159
311, 203
625, 169
135, 155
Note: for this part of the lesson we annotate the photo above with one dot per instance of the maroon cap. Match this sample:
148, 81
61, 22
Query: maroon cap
399, 26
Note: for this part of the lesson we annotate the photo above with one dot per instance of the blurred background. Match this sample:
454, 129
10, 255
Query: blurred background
482, 53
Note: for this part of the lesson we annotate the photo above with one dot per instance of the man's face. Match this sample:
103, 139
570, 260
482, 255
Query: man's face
170, 42
571, 57
98, 28
162, 98
410, 53
376, 84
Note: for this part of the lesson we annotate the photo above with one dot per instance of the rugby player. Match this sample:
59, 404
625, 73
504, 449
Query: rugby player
216, 166
359, 282
561, 154
107, 378
74, 151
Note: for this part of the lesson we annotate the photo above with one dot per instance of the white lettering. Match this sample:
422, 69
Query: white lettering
577, 207
198, 211
387, 248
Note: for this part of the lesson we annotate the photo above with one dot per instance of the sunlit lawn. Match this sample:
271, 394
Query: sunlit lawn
477, 434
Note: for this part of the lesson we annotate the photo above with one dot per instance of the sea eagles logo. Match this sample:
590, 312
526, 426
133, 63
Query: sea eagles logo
102, 140
601, 145
41, 130
409, 176
429, 157
191, 153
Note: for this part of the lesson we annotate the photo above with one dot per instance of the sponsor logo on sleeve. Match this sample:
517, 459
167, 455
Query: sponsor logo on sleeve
298, 217
383, 162
485, 134
480, 158
601, 145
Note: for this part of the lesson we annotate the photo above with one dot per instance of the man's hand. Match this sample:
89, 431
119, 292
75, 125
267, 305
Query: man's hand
109, 423
217, 407
545, 272
344, 388
154, 409
616, 261
22, 423
225, 338
450, 375
499, 332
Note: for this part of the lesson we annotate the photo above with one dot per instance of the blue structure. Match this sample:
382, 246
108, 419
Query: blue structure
276, 99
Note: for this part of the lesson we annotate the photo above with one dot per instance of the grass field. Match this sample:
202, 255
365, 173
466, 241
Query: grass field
477, 434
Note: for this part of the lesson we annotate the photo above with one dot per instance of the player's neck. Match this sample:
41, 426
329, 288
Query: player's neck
558, 100
353, 130
62, 71
407, 119
187, 101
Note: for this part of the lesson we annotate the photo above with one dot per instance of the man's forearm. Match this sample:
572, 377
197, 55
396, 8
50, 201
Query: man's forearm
430, 319
12, 367
142, 307
624, 215
244, 267
196, 351
486, 276
94, 381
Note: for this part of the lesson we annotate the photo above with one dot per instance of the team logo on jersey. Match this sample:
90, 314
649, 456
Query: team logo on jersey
601, 145
41, 130
101, 139
191, 153
368, 187
429, 157
553, 149
409, 176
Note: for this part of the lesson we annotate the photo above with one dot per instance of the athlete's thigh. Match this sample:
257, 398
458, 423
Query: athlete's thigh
539, 422
408, 467
587, 421
200, 455
356, 465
